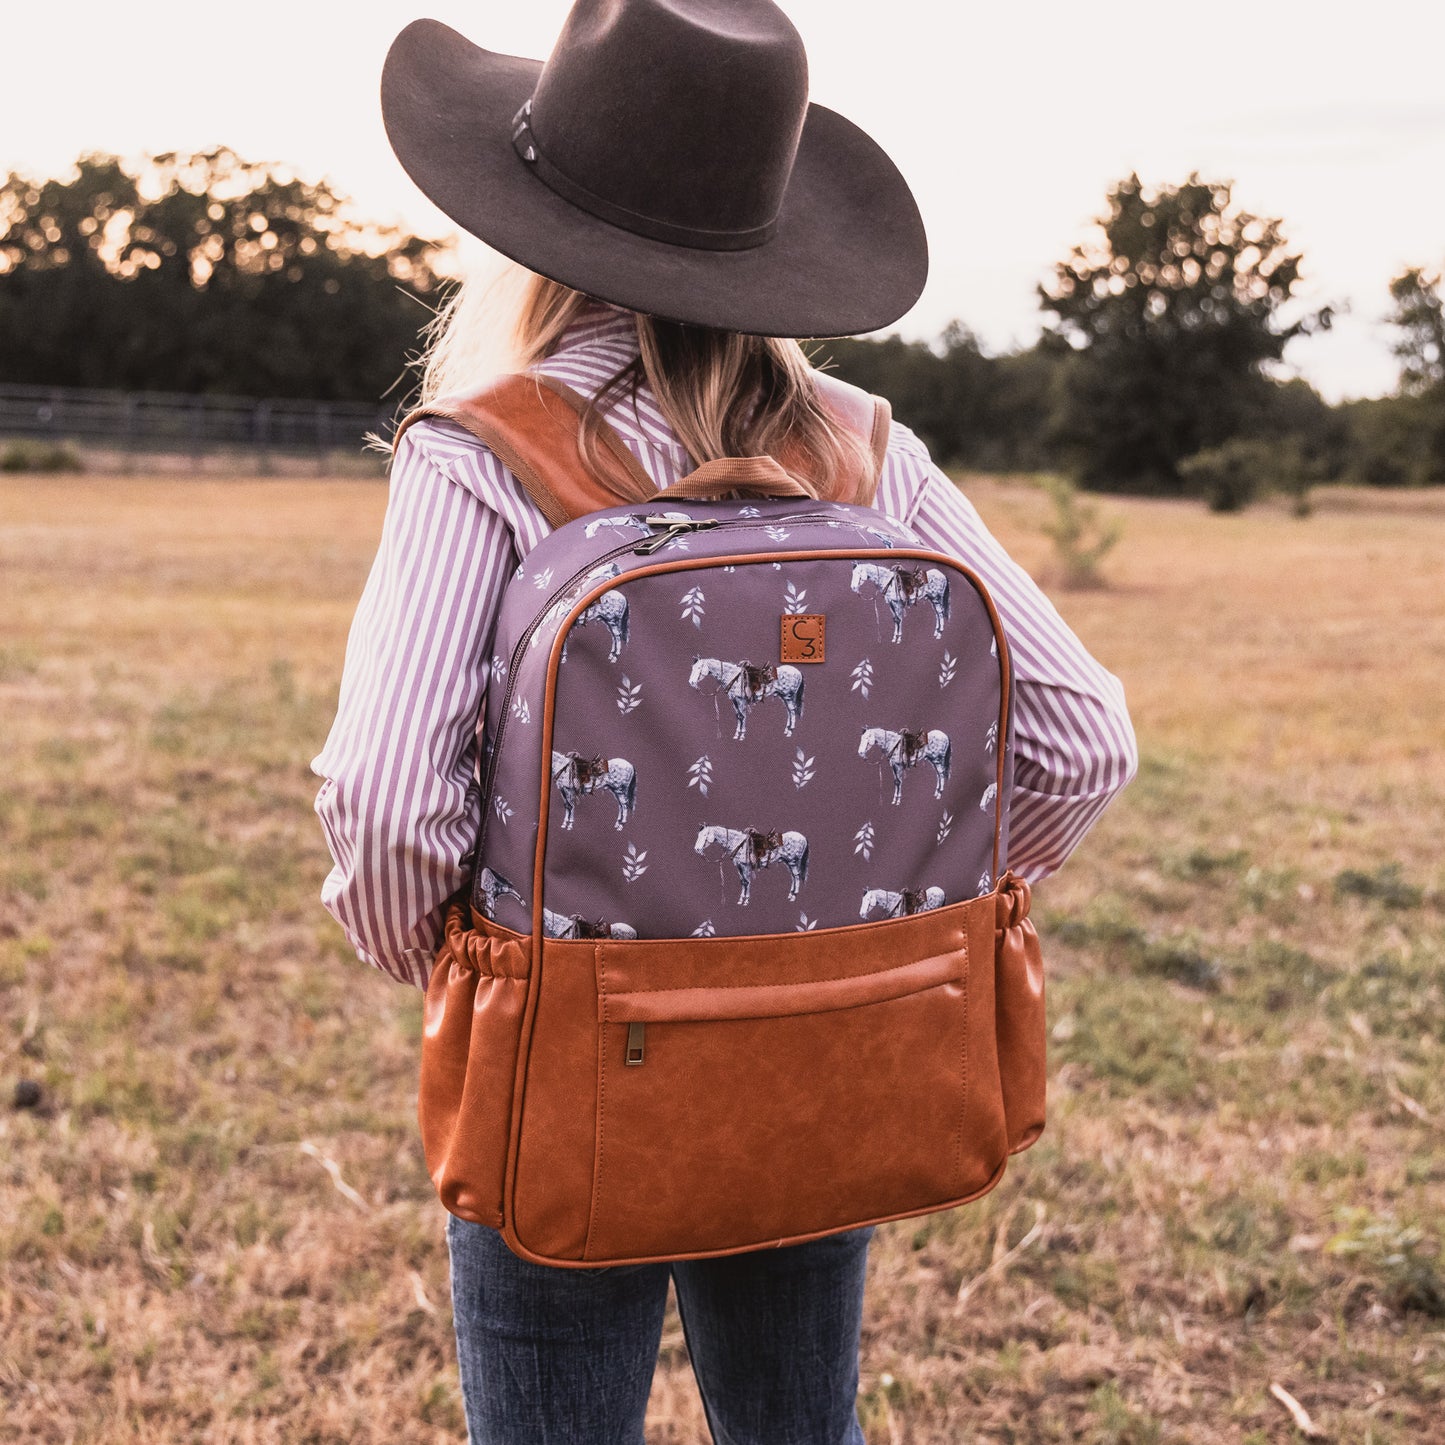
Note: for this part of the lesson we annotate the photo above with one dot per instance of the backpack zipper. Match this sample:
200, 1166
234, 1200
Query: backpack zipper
649, 545
643, 546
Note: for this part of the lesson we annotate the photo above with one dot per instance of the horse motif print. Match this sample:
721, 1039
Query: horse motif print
576, 776
751, 851
747, 684
493, 886
610, 609
905, 749
900, 905
564, 925
902, 587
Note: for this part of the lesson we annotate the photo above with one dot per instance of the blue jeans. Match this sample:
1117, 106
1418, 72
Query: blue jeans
552, 1356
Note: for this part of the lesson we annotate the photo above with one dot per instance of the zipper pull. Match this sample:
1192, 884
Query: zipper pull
635, 1034
673, 527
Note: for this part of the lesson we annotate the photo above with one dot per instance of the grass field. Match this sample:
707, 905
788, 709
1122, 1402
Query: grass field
215, 1222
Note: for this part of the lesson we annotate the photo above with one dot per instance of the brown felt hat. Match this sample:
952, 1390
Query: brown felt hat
665, 158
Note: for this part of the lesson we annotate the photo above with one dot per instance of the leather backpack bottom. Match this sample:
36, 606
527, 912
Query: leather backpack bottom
609, 1101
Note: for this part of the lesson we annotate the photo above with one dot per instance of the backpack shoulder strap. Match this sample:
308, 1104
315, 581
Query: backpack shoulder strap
531, 423
867, 415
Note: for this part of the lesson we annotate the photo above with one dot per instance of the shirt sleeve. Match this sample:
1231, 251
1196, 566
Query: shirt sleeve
1074, 746
400, 805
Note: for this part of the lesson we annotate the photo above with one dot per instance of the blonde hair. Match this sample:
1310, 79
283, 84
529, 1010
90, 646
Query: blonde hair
724, 393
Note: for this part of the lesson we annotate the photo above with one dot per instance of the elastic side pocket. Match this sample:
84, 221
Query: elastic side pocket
1019, 1010
473, 1022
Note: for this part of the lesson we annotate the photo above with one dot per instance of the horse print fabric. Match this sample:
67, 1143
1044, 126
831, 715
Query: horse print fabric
694, 784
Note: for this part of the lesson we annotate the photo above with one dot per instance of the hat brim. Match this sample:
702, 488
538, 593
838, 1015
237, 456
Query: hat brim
849, 254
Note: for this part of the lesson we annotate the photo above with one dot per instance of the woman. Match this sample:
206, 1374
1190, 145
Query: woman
665, 159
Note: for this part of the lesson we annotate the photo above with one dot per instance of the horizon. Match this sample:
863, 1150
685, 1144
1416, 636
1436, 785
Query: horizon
1334, 139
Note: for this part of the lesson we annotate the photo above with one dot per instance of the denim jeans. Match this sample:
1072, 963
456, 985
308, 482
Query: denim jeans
552, 1356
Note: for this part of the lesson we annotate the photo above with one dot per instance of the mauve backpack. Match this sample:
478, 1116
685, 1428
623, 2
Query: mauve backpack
741, 963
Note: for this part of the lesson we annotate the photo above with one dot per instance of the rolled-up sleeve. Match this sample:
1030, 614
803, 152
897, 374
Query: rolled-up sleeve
1074, 746
399, 804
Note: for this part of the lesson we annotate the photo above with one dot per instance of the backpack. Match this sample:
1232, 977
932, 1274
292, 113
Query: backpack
741, 963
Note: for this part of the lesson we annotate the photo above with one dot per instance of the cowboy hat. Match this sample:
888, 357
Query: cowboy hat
665, 158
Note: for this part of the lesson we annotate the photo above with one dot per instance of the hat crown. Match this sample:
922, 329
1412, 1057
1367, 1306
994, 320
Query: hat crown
680, 117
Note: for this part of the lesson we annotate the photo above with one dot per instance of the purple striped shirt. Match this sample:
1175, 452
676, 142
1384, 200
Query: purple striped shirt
400, 804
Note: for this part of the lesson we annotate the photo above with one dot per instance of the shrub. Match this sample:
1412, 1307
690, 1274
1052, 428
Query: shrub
29, 456
1230, 476
1081, 541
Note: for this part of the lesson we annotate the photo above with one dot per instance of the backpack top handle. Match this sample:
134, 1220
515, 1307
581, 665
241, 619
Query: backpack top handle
757, 476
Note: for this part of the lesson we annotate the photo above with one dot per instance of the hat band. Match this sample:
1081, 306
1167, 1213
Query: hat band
524, 141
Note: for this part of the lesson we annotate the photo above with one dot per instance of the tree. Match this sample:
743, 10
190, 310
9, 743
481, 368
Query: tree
969, 408
204, 273
1419, 314
1172, 315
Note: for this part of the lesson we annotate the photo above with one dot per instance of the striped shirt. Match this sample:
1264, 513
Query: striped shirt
400, 804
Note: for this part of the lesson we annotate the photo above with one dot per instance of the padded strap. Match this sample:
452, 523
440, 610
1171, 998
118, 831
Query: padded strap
868, 416
531, 422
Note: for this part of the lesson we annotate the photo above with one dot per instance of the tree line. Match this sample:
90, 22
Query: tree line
217, 276
1156, 370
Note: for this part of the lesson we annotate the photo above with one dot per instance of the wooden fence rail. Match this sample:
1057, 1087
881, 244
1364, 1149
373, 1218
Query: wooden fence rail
176, 422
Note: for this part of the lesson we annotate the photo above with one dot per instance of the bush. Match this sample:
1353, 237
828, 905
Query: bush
1081, 541
1397, 441
1230, 476
27, 456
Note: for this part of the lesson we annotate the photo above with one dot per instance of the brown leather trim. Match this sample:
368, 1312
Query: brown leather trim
777, 1000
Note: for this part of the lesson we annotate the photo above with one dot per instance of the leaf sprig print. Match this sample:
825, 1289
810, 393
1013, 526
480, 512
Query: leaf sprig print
502, 808
542, 579
945, 825
803, 769
863, 841
862, 676
521, 710
795, 598
704, 929
947, 669
632, 865
693, 606
699, 774
629, 695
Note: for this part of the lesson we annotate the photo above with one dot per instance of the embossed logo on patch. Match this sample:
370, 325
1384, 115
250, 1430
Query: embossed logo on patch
802, 637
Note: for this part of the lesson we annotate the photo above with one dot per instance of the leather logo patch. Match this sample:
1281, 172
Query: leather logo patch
802, 637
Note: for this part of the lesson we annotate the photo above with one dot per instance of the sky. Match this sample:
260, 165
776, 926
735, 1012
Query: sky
1009, 121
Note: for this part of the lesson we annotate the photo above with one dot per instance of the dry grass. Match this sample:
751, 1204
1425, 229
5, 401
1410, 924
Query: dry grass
1242, 1181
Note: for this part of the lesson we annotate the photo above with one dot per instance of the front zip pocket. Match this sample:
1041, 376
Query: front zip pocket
755, 1091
